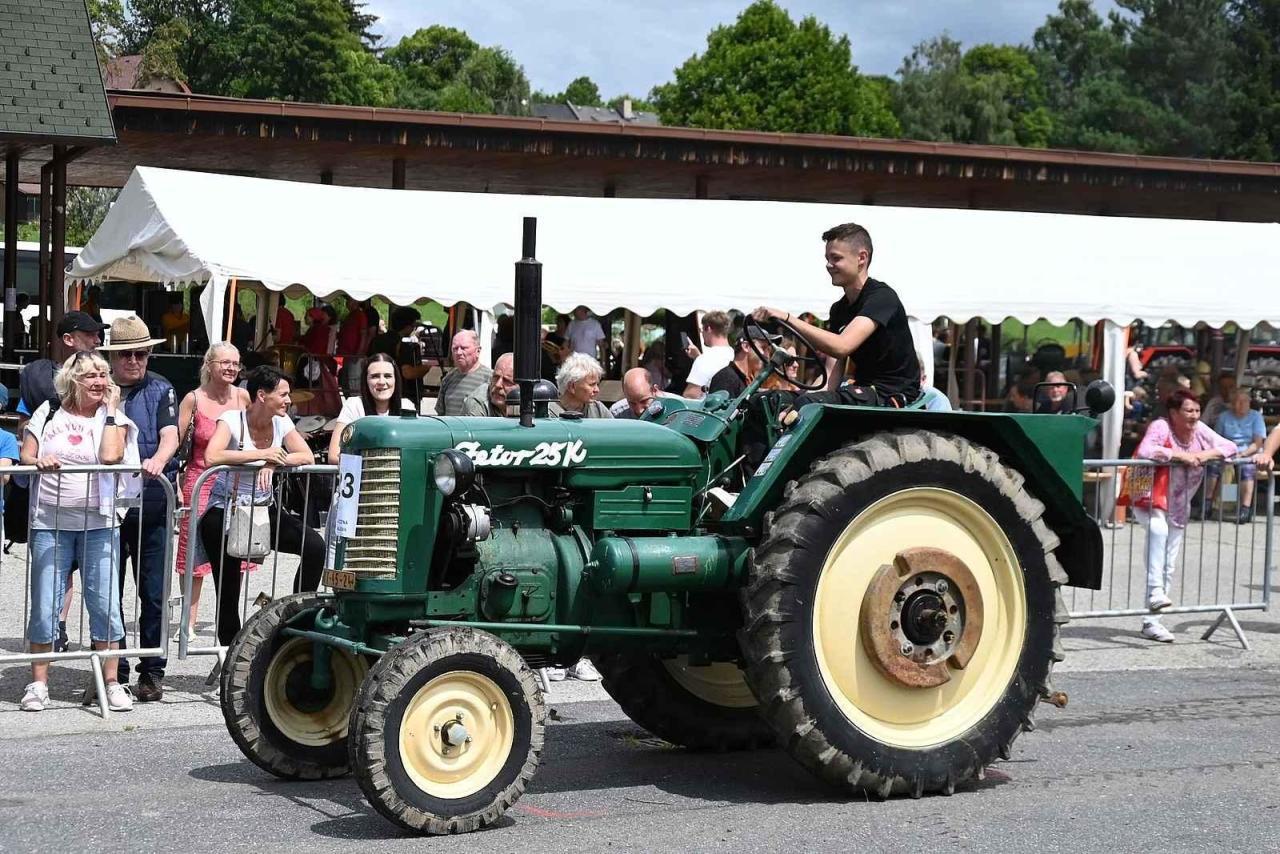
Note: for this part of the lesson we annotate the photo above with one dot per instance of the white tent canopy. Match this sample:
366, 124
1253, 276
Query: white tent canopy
683, 255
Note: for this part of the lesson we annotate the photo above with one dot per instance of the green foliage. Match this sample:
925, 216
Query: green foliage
583, 92
639, 105
766, 72
301, 50
106, 18
196, 33
990, 94
1255, 64
161, 57
86, 209
442, 68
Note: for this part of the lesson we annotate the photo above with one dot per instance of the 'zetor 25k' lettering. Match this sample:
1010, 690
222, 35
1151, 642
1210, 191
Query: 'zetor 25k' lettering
544, 454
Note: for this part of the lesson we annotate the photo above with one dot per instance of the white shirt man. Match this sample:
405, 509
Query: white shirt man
718, 353
584, 333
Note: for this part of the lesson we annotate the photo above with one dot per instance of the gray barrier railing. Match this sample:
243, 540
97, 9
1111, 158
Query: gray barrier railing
254, 580
86, 652
1223, 566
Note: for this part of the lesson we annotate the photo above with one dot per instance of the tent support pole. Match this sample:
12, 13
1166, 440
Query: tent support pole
231, 305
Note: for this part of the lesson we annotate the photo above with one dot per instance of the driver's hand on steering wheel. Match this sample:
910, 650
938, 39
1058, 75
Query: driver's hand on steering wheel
764, 313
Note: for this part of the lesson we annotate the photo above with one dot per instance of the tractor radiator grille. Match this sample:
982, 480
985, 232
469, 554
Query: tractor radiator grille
372, 551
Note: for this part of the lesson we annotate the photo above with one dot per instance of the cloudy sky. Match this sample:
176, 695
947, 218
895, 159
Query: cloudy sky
630, 46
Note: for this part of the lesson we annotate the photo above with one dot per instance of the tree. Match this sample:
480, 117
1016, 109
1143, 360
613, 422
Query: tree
583, 92
765, 72
106, 18
442, 68
86, 209
1254, 73
195, 33
302, 50
991, 94
1152, 80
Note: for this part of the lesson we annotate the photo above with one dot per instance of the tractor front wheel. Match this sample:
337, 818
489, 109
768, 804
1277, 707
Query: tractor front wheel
901, 617
275, 715
447, 731
703, 707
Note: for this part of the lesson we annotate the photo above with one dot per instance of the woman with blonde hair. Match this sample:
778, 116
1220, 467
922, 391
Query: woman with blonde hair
198, 416
73, 517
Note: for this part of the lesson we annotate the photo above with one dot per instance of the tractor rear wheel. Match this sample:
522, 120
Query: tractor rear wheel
707, 707
276, 717
447, 731
901, 619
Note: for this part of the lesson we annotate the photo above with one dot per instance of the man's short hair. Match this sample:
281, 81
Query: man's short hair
716, 321
851, 233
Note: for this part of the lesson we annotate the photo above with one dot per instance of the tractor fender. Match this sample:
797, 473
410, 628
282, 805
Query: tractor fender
1048, 450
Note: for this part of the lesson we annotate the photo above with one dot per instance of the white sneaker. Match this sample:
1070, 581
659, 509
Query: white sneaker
584, 671
554, 674
1157, 632
1159, 601
35, 697
118, 698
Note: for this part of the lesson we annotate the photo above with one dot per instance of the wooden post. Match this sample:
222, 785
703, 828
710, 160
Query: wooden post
397, 173
326, 176
58, 254
44, 329
231, 305
11, 319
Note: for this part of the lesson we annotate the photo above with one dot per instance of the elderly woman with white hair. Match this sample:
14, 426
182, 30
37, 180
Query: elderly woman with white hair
578, 382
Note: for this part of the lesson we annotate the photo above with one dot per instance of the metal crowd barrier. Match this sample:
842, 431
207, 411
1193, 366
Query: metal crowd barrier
1223, 567
131, 647
263, 580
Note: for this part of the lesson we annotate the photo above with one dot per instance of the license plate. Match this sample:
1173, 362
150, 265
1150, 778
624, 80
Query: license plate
339, 580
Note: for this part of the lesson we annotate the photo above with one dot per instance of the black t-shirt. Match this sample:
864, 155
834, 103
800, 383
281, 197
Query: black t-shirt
729, 379
887, 359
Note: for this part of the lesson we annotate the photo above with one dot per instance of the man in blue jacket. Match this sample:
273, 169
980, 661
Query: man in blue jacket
148, 400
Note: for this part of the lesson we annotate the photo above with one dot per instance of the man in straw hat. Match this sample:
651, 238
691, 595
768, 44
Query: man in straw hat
148, 400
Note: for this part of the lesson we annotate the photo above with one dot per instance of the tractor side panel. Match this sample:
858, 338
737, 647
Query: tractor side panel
1047, 450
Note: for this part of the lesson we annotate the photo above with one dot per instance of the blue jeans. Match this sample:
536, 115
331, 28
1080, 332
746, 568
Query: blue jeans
52, 553
149, 574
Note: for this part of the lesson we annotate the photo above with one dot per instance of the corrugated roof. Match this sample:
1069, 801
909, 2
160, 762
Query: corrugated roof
50, 83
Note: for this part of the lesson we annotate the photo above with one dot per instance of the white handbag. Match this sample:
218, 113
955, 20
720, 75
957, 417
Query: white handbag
248, 530
248, 524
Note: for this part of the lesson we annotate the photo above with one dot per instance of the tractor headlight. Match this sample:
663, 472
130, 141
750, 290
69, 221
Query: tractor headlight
454, 472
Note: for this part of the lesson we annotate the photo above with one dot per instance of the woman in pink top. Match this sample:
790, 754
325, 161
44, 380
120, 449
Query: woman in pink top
217, 394
1183, 439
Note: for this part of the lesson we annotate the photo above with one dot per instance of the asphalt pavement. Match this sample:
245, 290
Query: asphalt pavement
1161, 748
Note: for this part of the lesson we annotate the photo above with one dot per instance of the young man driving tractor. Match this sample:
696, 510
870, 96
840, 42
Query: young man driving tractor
868, 323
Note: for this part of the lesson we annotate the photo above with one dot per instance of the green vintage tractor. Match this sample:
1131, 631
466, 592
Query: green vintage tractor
881, 598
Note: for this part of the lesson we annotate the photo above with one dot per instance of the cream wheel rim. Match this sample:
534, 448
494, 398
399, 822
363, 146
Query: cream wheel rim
325, 724
720, 683
456, 734
884, 708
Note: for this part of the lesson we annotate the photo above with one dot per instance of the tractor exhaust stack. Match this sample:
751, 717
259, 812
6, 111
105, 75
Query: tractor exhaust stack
528, 321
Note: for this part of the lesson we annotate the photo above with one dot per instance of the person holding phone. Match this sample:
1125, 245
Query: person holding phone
73, 518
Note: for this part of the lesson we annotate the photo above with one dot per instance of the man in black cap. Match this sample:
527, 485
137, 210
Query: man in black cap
738, 374
77, 333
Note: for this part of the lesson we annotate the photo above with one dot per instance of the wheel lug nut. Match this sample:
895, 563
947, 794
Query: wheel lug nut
907, 649
900, 596
941, 586
467, 740
948, 636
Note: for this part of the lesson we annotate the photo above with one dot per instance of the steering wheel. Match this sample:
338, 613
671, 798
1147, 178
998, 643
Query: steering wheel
749, 321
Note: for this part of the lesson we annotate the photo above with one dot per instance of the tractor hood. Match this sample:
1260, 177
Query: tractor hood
591, 451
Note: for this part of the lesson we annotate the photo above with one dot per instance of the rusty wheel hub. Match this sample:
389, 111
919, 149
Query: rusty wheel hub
922, 617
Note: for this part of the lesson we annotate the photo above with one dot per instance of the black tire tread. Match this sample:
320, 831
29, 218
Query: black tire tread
238, 707
639, 684
369, 720
766, 607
